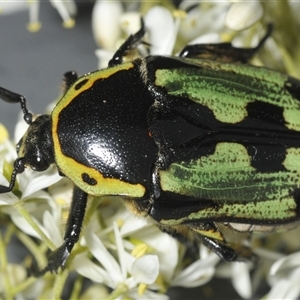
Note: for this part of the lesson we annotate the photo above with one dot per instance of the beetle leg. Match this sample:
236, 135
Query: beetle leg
11, 97
73, 228
226, 253
210, 236
224, 52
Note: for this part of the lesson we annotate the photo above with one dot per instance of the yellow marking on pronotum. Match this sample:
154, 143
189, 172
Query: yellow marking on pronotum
74, 170
104, 186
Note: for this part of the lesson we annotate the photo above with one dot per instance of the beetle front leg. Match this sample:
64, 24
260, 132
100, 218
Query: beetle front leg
58, 257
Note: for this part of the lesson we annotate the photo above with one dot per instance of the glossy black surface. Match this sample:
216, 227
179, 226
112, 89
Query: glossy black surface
106, 127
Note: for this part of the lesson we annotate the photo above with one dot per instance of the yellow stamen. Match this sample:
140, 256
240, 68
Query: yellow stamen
70, 23
34, 26
120, 223
139, 250
142, 288
178, 13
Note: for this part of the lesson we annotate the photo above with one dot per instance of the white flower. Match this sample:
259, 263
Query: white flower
203, 19
123, 274
199, 272
159, 22
105, 23
239, 273
162, 29
284, 278
242, 15
66, 9
30, 185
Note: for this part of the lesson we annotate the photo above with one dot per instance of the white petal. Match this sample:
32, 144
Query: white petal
242, 15
21, 223
20, 128
7, 198
105, 23
33, 181
52, 228
166, 248
130, 22
206, 39
241, 279
62, 191
103, 256
149, 295
88, 269
145, 269
287, 287
104, 56
66, 9
34, 7
198, 273
162, 30
120, 250
285, 263
199, 21
133, 225
294, 289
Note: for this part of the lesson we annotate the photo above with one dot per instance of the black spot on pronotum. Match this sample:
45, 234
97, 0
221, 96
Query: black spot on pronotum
80, 84
87, 179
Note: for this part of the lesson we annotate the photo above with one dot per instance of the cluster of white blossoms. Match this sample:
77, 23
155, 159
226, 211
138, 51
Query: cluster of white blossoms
122, 256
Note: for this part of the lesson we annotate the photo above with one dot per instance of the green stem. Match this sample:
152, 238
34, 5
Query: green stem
120, 290
19, 206
32, 247
59, 284
77, 288
24, 285
3, 271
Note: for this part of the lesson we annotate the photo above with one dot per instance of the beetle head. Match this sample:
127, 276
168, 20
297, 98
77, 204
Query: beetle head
35, 147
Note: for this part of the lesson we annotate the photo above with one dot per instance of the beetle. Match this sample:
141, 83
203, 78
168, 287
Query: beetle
205, 144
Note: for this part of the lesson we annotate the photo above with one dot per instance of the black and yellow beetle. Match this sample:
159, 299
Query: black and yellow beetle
205, 144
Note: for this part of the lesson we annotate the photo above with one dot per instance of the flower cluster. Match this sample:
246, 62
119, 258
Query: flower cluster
66, 9
120, 255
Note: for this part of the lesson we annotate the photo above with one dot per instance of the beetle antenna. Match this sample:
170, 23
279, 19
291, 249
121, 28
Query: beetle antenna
18, 168
11, 97
132, 42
